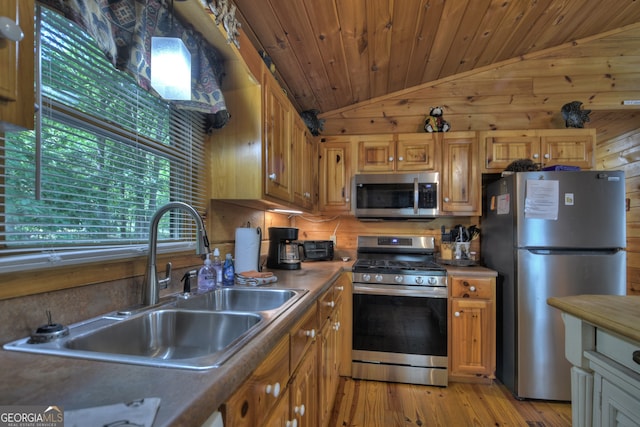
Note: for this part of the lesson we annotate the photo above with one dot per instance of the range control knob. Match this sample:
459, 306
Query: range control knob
378, 277
432, 280
398, 279
419, 280
366, 277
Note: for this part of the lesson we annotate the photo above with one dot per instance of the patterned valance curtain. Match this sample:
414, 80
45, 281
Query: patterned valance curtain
123, 30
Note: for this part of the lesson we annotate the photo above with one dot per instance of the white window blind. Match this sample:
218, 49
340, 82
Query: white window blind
107, 155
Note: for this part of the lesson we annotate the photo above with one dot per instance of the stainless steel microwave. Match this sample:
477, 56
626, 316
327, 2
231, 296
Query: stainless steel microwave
396, 196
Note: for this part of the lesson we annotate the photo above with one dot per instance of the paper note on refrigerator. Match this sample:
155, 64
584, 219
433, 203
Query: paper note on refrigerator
541, 199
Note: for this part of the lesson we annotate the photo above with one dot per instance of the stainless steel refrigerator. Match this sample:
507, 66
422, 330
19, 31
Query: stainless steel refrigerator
549, 234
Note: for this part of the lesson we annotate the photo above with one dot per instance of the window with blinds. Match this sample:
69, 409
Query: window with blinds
105, 155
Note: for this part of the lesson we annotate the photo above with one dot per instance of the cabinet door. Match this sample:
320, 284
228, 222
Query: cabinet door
460, 181
280, 415
304, 169
619, 407
335, 175
471, 337
9, 55
17, 95
499, 150
329, 363
570, 149
304, 391
376, 153
416, 152
264, 389
277, 141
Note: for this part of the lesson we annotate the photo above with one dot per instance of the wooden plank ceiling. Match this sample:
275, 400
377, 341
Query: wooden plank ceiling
378, 65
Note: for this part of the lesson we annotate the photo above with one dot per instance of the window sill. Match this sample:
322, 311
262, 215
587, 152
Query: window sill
63, 271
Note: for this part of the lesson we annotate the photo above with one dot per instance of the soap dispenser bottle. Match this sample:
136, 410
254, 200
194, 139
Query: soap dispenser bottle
206, 276
217, 266
228, 272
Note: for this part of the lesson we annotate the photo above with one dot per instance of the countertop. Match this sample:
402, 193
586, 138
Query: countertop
616, 313
187, 397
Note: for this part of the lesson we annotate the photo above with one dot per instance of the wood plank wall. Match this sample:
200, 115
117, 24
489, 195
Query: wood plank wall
623, 153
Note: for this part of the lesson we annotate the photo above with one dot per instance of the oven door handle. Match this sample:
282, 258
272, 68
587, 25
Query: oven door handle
416, 193
404, 291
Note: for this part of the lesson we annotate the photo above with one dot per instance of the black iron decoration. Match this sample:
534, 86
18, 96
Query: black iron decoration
310, 118
573, 114
225, 12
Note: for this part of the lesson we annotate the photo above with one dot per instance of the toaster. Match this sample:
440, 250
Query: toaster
317, 250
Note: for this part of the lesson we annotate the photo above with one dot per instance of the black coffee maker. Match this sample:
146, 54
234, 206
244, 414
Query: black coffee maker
283, 248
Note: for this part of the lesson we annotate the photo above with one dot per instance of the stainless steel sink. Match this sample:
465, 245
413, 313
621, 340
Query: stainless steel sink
241, 299
162, 337
168, 334
197, 332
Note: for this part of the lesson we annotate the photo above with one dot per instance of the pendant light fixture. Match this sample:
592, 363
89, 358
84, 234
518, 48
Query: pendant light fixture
171, 66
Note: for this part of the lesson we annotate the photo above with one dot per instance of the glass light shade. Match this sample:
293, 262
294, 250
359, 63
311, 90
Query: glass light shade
170, 68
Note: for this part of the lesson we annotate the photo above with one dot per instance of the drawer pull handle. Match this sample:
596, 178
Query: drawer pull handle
636, 356
457, 313
293, 423
340, 288
273, 389
336, 326
331, 304
299, 410
472, 288
310, 333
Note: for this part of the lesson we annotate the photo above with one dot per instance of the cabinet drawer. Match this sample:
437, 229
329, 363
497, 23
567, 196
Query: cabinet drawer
302, 336
618, 349
253, 401
328, 302
472, 287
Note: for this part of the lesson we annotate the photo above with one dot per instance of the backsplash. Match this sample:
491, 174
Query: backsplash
19, 317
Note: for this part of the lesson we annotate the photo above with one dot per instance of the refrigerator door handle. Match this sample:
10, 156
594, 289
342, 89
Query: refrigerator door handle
546, 251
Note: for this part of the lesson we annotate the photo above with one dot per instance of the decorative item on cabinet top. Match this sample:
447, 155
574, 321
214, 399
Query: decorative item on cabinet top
310, 118
574, 116
435, 122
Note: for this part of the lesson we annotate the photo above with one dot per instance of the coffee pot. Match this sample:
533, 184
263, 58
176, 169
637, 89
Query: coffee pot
283, 248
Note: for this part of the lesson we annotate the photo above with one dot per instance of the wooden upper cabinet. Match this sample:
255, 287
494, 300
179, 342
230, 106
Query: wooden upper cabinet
548, 147
334, 174
416, 152
277, 140
376, 153
305, 175
460, 178
574, 149
396, 152
17, 94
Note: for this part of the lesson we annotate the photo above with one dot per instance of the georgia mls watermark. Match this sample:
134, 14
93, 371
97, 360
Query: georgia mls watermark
31, 416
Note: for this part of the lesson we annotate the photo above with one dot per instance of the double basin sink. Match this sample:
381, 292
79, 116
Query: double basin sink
188, 331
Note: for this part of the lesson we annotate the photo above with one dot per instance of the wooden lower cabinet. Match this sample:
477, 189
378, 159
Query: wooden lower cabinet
304, 391
331, 348
263, 391
296, 385
473, 329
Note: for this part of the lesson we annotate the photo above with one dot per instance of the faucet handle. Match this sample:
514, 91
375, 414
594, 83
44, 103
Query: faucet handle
164, 283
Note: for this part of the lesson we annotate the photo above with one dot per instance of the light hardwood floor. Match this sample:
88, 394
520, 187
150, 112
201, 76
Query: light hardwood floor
379, 404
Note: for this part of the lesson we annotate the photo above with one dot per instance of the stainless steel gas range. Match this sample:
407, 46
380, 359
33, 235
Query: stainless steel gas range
399, 311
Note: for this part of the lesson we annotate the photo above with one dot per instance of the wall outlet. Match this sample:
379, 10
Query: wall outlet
334, 239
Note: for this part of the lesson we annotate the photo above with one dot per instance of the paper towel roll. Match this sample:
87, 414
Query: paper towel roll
247, 249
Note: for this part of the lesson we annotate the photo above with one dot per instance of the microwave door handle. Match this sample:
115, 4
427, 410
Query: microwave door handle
415, 195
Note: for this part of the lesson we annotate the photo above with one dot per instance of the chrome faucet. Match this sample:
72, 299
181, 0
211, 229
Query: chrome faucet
151, 290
